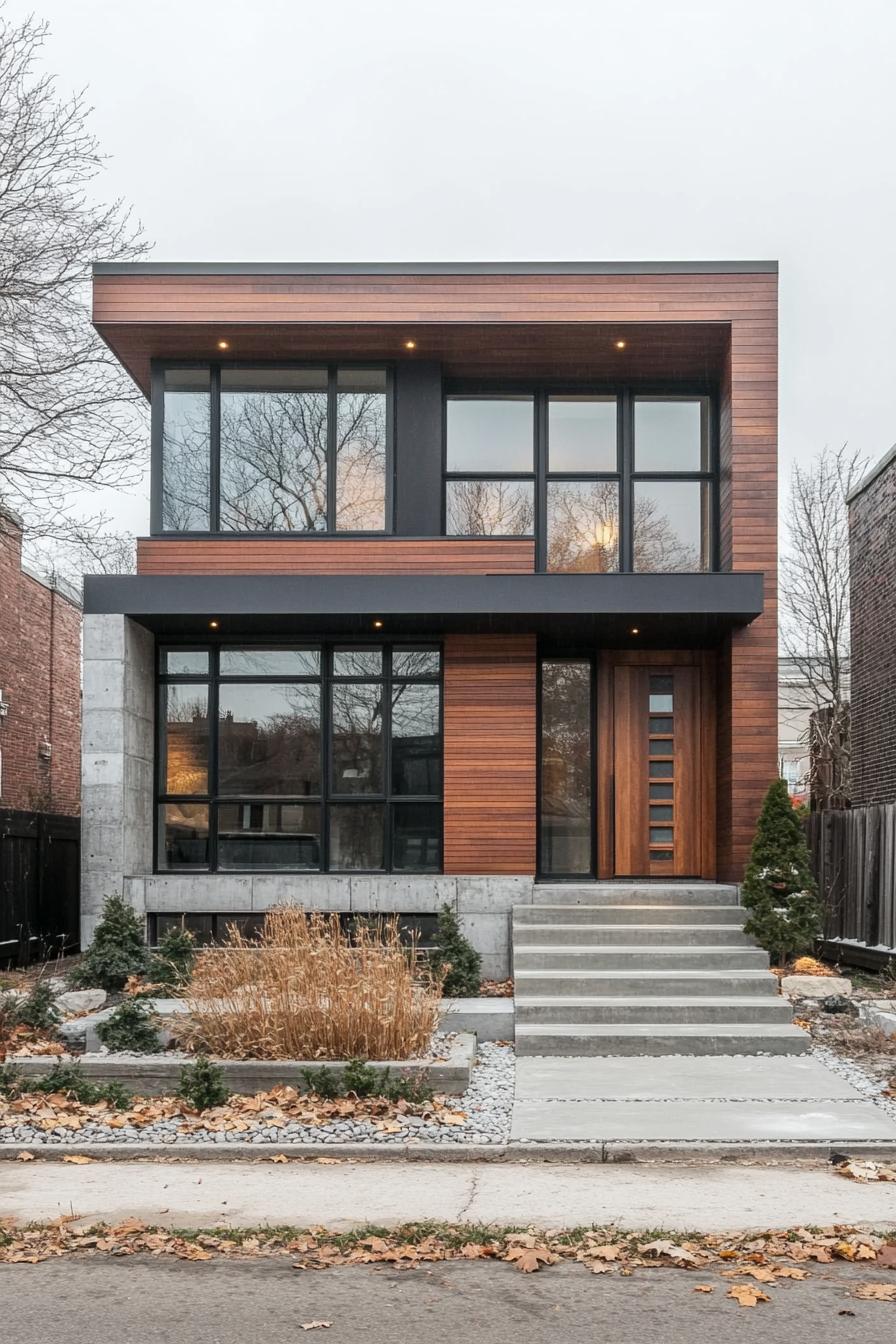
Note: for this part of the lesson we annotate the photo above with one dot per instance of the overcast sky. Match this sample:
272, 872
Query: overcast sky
352, 130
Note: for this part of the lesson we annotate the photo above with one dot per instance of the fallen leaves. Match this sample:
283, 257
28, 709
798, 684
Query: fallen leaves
25, 1156
745, 1295
77, 1159
876, 1292
865, 1171
530, 1258
316, 1325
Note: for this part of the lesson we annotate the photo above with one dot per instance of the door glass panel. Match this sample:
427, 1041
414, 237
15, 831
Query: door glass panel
661, 835
661, 747
661, 791
566, 767
660, 813
661, 769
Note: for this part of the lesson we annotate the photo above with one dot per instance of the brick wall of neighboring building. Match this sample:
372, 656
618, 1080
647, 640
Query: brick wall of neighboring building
872, 550
40, 677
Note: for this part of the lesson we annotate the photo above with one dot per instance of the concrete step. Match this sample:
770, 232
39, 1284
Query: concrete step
637, 958
601, 915
720, 1038
545, 1008
616, 935
687, 984
638, 893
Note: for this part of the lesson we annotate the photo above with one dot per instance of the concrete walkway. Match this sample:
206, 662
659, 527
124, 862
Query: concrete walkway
206, 1194
716, 1099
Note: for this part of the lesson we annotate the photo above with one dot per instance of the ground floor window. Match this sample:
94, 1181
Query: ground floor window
322, 757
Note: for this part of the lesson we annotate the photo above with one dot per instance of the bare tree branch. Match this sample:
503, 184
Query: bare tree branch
815, 611
69, 416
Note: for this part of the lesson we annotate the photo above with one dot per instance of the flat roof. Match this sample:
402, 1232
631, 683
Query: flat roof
434, 267
877, 470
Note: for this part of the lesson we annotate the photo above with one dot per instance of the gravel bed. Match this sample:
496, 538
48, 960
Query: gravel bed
488, 1103
860, 1078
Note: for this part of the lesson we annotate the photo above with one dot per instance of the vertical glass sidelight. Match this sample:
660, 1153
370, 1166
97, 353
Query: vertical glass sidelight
186, 450
273, 473
661, 739
566, 841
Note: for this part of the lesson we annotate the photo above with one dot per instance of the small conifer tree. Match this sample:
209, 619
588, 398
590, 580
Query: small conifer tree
117, 950
172, 963
779, 891
456, 952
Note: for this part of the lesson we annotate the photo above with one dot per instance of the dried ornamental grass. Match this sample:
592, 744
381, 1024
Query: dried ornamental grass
305, 989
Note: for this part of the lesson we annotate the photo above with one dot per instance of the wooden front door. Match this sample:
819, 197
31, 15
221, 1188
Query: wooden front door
662, 764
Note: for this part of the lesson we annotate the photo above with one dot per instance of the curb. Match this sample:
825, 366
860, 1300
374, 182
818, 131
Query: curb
607, 1154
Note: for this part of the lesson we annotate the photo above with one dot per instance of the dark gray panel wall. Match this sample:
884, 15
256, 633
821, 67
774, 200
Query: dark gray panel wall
418, 449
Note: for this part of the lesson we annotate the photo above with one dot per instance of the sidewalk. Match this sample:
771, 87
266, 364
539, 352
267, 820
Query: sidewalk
347, 1194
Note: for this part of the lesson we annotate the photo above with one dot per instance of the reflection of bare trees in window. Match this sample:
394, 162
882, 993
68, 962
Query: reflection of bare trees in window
357, 737
416, 754
273, 461
490, 508
666, 541
583, 526
566, 766
269, 739
185, 481
186, 739
360, 461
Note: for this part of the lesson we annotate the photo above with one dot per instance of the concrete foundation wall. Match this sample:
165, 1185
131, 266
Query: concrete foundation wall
483, 904
116, 760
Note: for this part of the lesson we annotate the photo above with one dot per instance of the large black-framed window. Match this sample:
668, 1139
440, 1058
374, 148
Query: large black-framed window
272, 449
604, 479
298, 758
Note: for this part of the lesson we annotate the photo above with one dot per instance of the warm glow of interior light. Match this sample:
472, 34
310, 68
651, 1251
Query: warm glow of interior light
604, 535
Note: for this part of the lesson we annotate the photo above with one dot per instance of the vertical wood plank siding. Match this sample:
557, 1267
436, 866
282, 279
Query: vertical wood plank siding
489, 727
297, 555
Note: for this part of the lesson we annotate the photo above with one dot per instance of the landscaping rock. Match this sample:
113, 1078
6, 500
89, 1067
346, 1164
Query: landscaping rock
81, 1000
835, 1003
879, 1013
815, 986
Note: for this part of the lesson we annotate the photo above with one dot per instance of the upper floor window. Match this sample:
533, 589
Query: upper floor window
604, 482
279, 449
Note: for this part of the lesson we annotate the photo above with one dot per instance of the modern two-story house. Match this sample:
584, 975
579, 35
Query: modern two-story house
459, 578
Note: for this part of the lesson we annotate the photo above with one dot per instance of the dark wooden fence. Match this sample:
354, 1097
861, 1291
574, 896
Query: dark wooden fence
39, 885
854, 861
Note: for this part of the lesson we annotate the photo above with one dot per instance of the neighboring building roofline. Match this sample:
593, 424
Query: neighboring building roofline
435, 268
56, 584
12, 517
873, 474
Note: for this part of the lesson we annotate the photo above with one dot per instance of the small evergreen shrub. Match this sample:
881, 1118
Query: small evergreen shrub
117, 951
202, 1085
172, 963
69, 1079
10, 1081
323, 1082
407, 1087
38, 1010
361, 1079
130, 1027
779, 891
454, 951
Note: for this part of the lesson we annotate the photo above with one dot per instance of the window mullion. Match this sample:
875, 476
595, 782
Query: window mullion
214, 474
626, 501
331, 448
213, 723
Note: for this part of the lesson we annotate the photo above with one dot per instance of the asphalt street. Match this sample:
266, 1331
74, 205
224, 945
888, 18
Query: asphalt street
146, 1301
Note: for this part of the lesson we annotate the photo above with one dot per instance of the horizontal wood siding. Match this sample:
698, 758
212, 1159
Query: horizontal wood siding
288, 555
489, 727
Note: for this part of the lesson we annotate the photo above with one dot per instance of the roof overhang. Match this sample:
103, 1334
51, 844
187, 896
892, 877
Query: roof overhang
667, 609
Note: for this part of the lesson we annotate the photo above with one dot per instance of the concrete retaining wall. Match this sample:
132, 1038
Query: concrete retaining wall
157, 1075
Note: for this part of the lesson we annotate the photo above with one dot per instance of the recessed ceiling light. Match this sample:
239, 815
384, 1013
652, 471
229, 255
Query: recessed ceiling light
635, 631
410, 345
213, 625
223, 345
620, 345
377, 625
